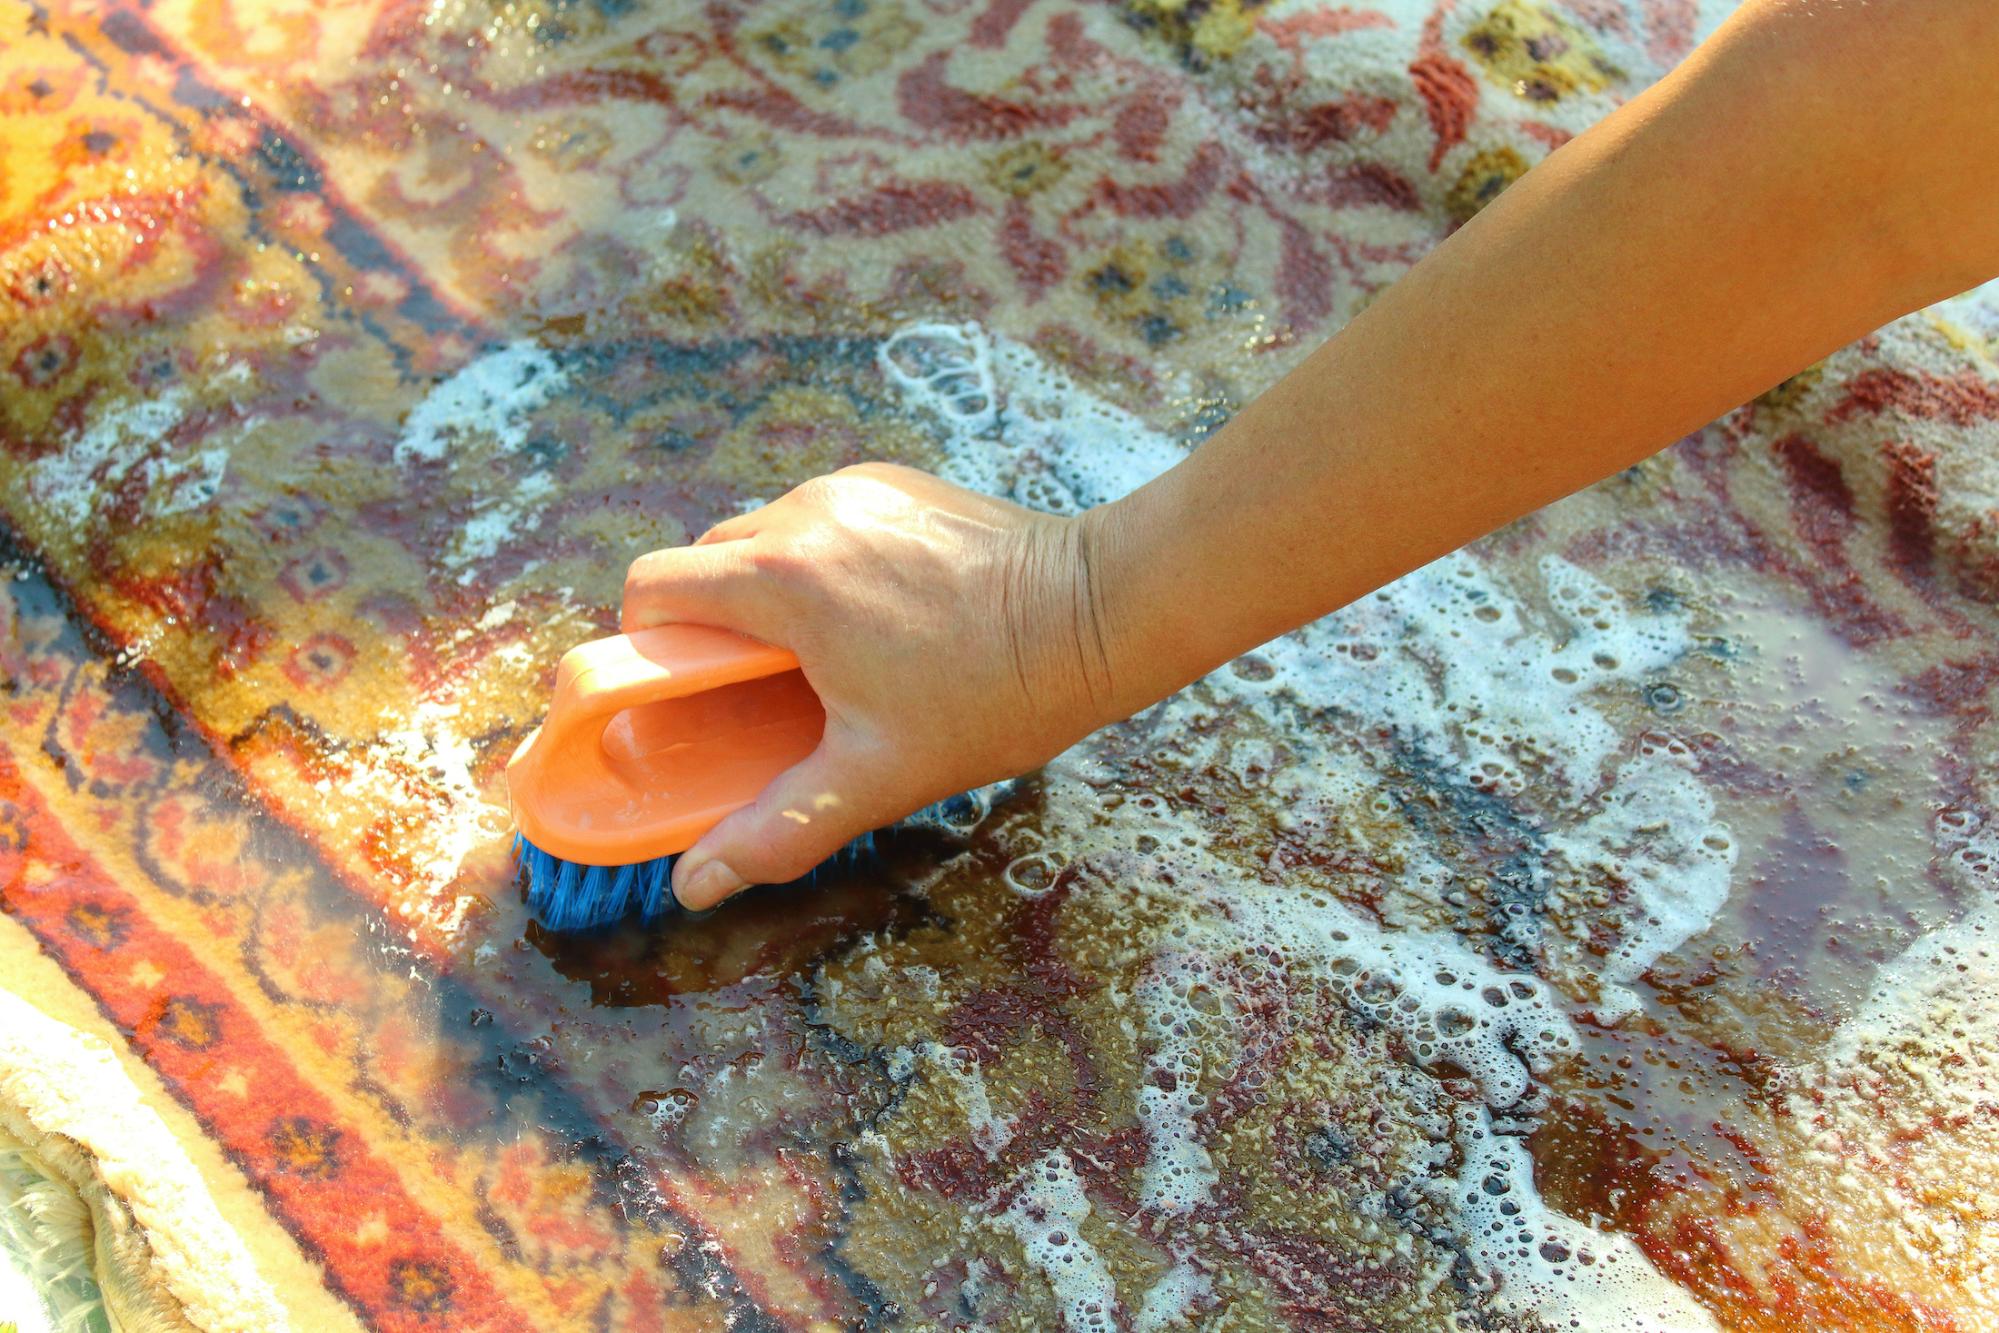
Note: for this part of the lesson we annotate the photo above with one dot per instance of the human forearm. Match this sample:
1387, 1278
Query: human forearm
1750, 214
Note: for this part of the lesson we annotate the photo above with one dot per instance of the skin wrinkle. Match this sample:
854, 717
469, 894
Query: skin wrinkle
1016, 635
1040, 619
1085, 559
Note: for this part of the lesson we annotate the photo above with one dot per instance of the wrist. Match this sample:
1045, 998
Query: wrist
1135, 614
1051, 655
1087, 536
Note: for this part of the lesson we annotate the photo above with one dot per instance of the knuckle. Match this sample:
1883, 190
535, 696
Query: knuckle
785, 563
813, 490
879, 472
721, 532
768, 560
635, 573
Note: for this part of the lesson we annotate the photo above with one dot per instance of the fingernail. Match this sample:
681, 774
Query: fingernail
708, 883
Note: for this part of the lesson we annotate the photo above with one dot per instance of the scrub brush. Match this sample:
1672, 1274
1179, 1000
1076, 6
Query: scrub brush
653, 738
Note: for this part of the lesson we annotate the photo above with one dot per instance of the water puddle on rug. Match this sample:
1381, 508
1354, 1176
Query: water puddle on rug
1473, 949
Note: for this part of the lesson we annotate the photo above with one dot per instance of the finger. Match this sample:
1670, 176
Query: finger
803, 818
735, 529
702, 585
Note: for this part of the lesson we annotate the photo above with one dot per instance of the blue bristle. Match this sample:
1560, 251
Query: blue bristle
655, 893
619, 900
568, 873
589, 902
565, 895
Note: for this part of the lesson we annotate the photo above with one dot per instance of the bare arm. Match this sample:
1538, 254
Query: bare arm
1815, 170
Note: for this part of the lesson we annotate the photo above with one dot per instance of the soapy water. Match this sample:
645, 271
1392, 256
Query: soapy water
121, 446
482, 409
1492, 685
1919, 1056
1511, 694
1450, 1008
1016, 426
1447, 659
1046, 1216
1493, 691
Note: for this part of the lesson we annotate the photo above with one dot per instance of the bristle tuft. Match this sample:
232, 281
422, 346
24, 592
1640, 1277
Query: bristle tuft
565, 895
655, 889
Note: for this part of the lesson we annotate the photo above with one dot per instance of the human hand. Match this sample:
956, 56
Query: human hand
950, 636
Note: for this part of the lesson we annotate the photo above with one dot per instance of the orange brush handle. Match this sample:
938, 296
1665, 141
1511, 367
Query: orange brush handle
653, 737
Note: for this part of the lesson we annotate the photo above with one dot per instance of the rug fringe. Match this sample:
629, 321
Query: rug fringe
102, 1205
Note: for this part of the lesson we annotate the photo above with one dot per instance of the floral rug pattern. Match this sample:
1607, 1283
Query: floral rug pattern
1594, 928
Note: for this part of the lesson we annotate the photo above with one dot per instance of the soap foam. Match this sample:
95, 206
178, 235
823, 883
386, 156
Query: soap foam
1654, 831
1046, 1216
1178, 1173
1493, 686
1459, 666
428, 744
1451, 1009
495, 520
1449, 658
1167, 1303
492, 393
991, 1132
486, 401
1550, 1267
1888, 1137
1017, 427
1943, 989
69, 482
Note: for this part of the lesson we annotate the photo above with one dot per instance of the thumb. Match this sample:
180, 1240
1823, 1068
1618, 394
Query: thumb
802, 818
